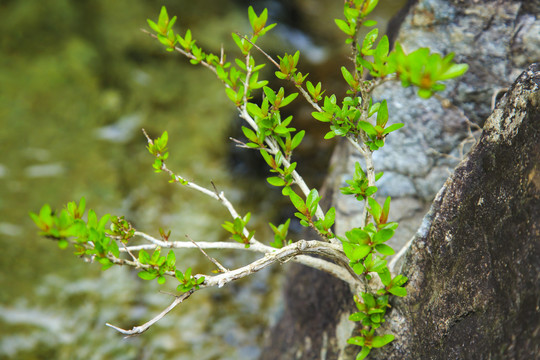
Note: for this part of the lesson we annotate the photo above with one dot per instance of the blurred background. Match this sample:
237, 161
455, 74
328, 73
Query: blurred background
78, 81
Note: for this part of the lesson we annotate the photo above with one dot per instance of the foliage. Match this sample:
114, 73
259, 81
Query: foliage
357, 118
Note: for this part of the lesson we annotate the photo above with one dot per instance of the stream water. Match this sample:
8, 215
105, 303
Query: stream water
78, 81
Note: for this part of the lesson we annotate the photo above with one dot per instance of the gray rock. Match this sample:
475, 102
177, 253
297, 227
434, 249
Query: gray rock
474, 268
474, 288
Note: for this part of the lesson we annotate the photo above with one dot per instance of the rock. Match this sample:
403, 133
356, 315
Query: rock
496, 39
474, 268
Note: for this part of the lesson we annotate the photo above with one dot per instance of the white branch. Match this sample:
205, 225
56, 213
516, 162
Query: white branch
137, 330
256, 247
295, 252
332, 251
286, 253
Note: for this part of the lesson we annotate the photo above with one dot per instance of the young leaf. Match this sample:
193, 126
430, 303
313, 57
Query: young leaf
356, 340
276, 181
382, 114
380, 341
364, 353
297, 139
343, 26
384, 249
374, 208
393, 127
398, 291
383, 235
298, 203
145, 275
385, 277
368, 128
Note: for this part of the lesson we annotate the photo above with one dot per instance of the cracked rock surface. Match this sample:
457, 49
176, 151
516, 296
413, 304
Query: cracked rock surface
474, 266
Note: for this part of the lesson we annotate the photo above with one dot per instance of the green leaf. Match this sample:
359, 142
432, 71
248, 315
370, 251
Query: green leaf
145, 275
364, 353
368, 128
329, 218
343, 26
356, 340
399, 280
382, 114
187, 274
369, 6
324, 117
374, 208
380, 341
454, 71
358, 236
171, 259
382, 49
250, 134
276, 181
398, 291
312, 198
360, 252
298, 202
369, 300
270, 94
288, 100
369, 40
393, 127
144, 258
385, 276
252, 17
369, 23
348, 77
384, 249
153, 26
383, 235
357, 316
163, 19
297, 139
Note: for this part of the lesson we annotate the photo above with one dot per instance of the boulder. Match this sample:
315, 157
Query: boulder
473, 265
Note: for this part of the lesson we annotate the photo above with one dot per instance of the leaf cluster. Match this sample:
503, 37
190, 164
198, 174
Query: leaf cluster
121, 229
158, 148
188, 281
158, 264
90, 238
306, 212
425, 70
280, 234
359, 185
237, 227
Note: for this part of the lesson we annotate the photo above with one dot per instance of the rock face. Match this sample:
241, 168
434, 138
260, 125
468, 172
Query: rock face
473, 266
498, 40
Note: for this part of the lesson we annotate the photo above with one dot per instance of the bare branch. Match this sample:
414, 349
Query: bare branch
301, 247
220, 267
137, 330
332, 251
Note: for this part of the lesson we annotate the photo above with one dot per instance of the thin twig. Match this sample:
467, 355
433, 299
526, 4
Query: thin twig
260, 50
137, 330
304, 93
256, 247
220, 267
